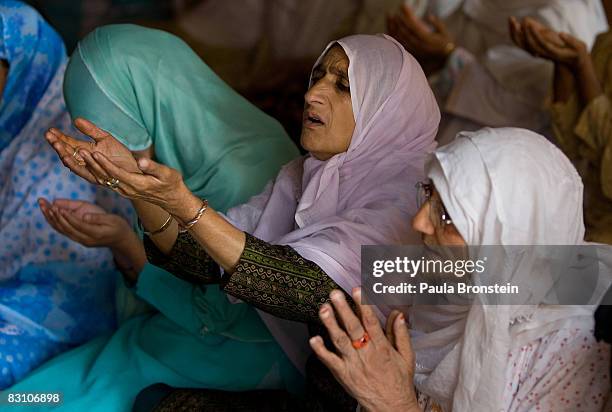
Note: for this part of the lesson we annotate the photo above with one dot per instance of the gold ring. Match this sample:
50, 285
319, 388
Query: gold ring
112, 183
76, 157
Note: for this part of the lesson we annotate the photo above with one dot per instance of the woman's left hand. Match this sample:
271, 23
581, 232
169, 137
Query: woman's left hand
154, 183
378, 373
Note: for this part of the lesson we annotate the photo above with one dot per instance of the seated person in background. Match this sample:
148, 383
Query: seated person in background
581, 111
480, 78
582, 122
54, 292
492, 187
369, 122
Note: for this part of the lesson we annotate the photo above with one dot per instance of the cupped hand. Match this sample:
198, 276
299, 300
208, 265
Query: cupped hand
154, 183
73, 152
379, 375
85, 223
426, 44
541, 41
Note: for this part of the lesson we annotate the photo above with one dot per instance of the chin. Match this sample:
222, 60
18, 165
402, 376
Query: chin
307, 142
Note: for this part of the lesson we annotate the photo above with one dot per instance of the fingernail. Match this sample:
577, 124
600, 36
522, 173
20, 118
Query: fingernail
335, 295
315, 339
357, 292
401, 318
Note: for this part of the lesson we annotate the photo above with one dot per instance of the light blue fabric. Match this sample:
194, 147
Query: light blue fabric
54, 293
34, 52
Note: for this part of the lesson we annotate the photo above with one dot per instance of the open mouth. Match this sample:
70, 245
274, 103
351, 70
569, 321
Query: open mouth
311, 119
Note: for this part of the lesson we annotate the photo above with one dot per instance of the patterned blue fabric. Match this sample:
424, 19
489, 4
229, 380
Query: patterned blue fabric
34, 52
54, 293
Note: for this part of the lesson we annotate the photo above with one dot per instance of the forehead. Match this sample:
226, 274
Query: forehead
335, 57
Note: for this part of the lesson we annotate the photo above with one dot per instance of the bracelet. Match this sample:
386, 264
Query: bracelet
163, 227
185, 227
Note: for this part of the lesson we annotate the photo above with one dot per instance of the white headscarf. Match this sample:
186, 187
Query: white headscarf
326, 210
504, 187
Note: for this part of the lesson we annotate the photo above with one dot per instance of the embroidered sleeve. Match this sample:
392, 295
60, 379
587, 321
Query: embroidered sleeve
187, 260
276, 279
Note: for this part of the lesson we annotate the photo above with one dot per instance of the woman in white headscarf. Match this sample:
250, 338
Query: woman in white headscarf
509, 187
369, 122
480, 78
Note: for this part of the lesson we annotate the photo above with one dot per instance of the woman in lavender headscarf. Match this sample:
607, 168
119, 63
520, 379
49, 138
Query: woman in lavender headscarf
369, 121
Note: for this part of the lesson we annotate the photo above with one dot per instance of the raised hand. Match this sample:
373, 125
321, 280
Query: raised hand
154, 183
541, 41
73, 152
430, 46
377, 369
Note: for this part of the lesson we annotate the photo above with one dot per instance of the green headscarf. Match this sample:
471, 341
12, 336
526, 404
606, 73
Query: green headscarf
147, 87
124, 78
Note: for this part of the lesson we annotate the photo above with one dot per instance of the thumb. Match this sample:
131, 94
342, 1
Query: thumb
149, 167
403, 344
90, 129
571, 41
437, 24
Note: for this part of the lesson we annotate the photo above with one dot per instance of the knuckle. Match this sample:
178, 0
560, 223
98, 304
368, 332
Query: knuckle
341, 341
369, 319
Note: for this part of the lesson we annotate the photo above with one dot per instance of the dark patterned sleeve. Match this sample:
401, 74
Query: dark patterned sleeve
277, 280
187, 260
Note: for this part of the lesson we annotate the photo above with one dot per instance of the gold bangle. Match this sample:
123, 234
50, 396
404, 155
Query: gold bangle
185, 227
163, 227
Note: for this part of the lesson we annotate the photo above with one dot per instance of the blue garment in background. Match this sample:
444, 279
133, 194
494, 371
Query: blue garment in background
54, 293
34, 52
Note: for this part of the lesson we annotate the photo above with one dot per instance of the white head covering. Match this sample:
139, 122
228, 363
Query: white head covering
501, 187
326, 210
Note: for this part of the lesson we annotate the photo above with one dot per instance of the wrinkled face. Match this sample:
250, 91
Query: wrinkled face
3, 75
328, 122
434, 232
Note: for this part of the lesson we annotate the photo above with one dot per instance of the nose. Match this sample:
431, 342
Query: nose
316, 93
421, 221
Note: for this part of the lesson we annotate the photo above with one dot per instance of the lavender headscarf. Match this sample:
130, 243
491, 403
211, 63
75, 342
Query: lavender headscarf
326, 210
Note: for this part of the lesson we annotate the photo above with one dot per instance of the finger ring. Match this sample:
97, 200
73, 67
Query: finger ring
76, 157
362, 341
112, 183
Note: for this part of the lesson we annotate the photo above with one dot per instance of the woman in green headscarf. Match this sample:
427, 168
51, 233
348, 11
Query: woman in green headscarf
150, 91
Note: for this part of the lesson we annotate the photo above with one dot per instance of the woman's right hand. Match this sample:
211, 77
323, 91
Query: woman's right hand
91, 226
73, 152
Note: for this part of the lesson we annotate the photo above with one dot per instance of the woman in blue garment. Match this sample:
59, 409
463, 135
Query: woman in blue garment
150, 90
54, 292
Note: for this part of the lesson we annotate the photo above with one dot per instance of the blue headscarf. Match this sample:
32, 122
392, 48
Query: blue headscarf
34, 52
